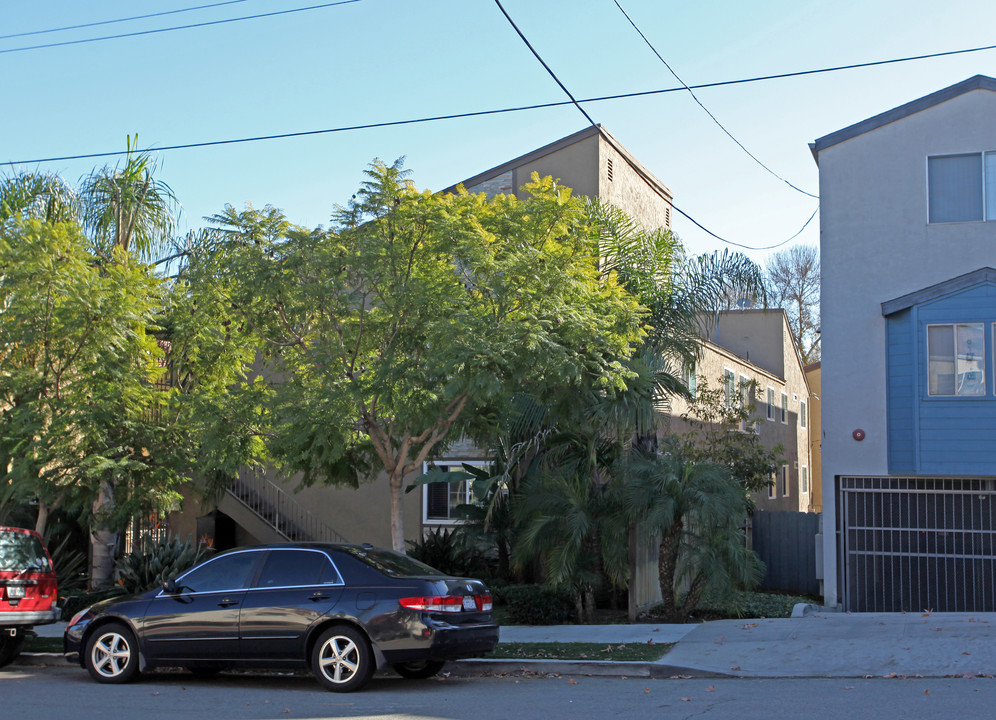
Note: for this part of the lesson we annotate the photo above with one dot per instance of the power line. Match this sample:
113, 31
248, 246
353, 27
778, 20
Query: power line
636, 168
497, 111
701, 105
177, 27
118, 20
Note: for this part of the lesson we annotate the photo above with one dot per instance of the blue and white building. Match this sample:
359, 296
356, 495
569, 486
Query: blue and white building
908, 251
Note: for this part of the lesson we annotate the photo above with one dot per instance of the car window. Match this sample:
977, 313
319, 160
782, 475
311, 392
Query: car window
392, 563
228, 572
293, 568
20, 551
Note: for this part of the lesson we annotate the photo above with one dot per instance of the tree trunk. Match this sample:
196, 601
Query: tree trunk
103, 540
396, 486
42, 520
667, 565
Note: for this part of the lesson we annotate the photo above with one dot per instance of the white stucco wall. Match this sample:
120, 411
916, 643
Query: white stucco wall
876, 245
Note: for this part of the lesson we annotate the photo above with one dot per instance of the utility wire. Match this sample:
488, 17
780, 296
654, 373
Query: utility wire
497, 111
635, 167
701, 105
118, 20
177, 27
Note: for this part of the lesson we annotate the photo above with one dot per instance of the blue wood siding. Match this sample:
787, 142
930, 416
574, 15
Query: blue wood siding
901, 406
939, 435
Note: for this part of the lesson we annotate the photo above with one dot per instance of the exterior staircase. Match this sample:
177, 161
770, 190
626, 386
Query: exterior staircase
270, 514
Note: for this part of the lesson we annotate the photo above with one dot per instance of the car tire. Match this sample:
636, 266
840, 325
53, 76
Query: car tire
112, 654
342, 659
420, 669
10, 646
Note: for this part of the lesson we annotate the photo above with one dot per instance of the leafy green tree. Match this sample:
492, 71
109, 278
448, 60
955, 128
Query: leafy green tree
415, 314
77, 374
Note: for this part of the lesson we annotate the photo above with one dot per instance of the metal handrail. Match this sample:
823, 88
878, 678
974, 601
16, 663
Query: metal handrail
278, 509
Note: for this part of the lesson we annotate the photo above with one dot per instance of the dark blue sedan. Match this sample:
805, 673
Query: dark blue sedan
343, 611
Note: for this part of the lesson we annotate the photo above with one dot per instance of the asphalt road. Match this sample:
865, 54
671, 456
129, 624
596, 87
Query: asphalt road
57, 693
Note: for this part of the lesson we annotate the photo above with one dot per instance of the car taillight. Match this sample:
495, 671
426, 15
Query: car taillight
448, 603
435, 603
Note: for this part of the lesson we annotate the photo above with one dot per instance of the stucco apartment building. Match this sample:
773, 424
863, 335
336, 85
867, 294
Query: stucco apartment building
908, 247
756, 346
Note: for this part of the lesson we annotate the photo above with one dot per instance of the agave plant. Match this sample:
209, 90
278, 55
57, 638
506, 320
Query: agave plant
154, 561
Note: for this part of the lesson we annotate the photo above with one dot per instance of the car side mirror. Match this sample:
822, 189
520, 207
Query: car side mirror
170, 587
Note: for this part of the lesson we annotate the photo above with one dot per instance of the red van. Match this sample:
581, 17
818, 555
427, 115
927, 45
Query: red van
28, 589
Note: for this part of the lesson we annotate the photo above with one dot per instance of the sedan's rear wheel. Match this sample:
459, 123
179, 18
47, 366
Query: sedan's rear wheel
10, 645
112, 654
419, 670
342, 660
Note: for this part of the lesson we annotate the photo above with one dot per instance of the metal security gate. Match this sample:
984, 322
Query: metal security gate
917, 544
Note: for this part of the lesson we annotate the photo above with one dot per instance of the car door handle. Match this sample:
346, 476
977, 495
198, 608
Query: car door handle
227, 602
316, 596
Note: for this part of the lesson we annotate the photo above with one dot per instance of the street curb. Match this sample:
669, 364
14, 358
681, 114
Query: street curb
41, 659
592, 668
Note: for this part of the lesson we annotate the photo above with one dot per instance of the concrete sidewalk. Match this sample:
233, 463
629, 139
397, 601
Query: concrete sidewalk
822, 644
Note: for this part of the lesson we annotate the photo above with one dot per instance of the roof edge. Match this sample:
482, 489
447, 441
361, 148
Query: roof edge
978, 82
962, 282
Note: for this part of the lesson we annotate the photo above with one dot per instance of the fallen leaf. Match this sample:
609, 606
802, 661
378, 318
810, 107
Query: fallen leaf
646, 690
711, 688
572, 682
735, 667
651, 642
686, 699
848, 687
926, 692
153, 694
966, 653
681, 677
892, 675
285, 711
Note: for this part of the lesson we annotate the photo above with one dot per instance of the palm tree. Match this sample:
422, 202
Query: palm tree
695, 510
129, 214
126, 207
570, 511
35, 194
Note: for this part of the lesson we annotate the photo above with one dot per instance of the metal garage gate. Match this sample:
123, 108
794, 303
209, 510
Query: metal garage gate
916, 544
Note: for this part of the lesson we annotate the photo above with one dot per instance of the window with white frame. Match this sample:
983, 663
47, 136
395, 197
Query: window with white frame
729, 387
785, 408
784, 489
804, 480
772, 484
690, 378
802, 413
771, 404
441, 499
961, 188
956, 360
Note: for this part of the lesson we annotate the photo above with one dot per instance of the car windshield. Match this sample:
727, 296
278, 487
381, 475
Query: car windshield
392, 563
21, 551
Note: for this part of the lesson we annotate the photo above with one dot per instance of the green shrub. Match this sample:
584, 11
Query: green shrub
446, 550
153, 562
537, 605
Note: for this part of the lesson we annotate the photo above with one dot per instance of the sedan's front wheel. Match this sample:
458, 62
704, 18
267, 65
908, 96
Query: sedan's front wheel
342, 660
112, 654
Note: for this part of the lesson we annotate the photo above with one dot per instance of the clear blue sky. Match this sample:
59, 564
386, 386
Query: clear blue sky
382, 60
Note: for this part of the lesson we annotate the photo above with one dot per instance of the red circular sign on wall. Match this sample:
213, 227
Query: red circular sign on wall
858, 434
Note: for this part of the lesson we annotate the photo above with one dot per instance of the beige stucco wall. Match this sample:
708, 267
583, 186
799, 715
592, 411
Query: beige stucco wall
749, 327
814, 374
876, 245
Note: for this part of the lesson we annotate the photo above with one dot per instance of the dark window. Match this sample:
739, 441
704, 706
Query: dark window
391, 563
228, 572
292, 568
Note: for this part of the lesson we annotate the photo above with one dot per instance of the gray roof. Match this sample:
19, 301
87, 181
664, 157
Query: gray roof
979, 82
941, 289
